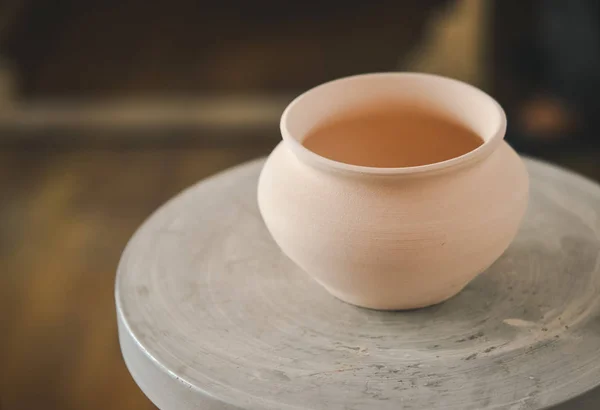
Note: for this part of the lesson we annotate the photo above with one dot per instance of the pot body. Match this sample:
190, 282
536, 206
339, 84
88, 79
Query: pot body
394, 238
394, 241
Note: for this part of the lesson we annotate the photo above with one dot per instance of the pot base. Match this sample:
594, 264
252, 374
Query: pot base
397, 306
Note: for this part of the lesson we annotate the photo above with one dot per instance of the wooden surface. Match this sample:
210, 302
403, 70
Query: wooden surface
65, 217
212, 315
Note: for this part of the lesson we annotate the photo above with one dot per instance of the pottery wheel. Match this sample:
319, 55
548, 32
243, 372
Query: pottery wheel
213, 316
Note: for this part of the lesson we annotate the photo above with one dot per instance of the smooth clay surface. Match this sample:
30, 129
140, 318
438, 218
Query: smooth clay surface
394, 237
213, 316
391, 135
394, 242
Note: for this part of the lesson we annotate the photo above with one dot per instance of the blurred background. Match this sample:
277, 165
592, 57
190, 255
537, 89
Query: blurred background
107, 109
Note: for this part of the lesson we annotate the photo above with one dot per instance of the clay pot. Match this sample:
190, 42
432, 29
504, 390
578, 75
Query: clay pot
394, 238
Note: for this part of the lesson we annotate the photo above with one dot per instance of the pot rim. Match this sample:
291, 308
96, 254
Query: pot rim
309, 157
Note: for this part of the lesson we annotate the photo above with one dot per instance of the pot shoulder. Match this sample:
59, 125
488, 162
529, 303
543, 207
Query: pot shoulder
490, 189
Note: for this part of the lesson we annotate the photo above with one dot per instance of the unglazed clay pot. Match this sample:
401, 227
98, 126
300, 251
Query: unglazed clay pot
394, 238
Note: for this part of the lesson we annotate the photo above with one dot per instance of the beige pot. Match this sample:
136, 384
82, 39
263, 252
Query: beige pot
394, 238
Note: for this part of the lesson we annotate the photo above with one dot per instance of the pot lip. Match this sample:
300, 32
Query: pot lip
311, 158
